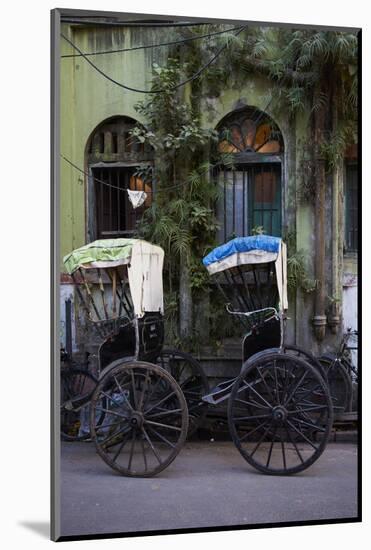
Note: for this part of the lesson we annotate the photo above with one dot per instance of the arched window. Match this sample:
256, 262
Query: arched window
113, 159
251, 188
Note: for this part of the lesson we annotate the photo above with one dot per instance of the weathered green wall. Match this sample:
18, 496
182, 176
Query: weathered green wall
87, 99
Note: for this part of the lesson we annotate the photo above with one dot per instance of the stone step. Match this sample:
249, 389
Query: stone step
346, 417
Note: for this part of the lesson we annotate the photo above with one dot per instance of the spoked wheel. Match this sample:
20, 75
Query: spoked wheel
145, 419
306, 356
279, 413
192, 381
339, 383
77, 387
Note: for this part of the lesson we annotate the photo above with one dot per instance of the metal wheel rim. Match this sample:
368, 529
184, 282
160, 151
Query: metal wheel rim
288, 444
306, 356
193, 394
140, 400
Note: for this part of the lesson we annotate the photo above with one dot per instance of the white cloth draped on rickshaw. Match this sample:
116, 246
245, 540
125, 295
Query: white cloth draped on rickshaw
144, 263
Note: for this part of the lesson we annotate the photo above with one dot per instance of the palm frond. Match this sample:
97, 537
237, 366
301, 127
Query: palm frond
321, 101
181, 242
179, 208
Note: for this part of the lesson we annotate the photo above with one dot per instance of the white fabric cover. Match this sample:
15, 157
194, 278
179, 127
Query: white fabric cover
100, 264
281, 276
242, 258
145, 277
259, 257
136, 198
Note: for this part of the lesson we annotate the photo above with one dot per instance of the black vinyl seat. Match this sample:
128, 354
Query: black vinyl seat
262, 336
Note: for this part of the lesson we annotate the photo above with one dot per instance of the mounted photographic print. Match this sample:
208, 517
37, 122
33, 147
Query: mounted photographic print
205, 274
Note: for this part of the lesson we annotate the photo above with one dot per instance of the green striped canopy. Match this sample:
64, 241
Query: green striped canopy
117, 251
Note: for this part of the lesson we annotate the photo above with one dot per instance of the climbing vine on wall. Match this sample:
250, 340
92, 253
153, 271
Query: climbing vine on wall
182, 218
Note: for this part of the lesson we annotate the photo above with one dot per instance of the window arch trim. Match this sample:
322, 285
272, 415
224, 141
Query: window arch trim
112, 163
251, 135
253, 191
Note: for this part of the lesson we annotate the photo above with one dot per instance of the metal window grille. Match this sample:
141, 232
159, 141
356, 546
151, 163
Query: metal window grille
250, 197
113, 156
115, 215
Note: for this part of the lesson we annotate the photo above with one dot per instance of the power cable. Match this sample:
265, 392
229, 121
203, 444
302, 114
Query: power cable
159, 90
114, 186
174, 42
177, 185
144, 23
171, 187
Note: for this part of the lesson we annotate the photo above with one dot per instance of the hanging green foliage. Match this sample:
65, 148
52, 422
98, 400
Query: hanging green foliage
182, 217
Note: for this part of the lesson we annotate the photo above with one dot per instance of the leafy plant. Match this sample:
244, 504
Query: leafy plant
297, 277
258, 230
182, 217
308, 71
334, 147
297, 270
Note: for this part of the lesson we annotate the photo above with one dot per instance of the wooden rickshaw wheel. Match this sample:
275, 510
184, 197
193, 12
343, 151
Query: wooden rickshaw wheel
279, 413
77, 387
307, 356
145, 419
192, 381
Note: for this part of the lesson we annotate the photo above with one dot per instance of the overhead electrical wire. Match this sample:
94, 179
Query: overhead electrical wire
149, 46
114, 186
181, 184
144, 23
204, 67
159, 90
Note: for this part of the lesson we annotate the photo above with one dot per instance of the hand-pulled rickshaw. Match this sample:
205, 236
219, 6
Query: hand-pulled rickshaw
279, 406
148, 399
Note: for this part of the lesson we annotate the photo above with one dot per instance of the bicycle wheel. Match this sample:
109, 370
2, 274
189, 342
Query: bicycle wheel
339, 383
145, 419
192, 381
77, 387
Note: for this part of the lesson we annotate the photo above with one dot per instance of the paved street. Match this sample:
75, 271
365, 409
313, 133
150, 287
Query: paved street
208, 484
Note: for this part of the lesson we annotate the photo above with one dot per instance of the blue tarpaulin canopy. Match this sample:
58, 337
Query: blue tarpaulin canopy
256, 249
262, 243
